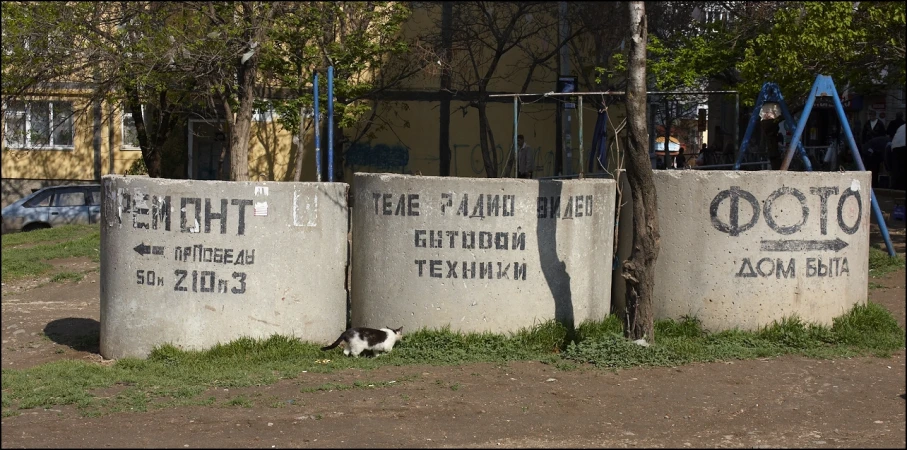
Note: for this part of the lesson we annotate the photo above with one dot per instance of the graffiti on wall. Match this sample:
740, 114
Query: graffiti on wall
377, 156
158, 212
472, 236
744, 212
396, 158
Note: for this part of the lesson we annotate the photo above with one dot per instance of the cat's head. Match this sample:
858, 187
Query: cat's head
397, 332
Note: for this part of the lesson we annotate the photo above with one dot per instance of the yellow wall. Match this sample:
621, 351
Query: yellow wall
77, 163
536, 123
271, 152
72, 164
412, 132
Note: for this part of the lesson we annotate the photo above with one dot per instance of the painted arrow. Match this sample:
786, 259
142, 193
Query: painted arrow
143, 249
802, 245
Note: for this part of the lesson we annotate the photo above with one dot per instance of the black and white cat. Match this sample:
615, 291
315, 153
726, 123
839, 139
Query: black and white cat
359, 339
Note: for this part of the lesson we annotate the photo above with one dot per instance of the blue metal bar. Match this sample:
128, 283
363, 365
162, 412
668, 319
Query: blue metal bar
317, 133
801, 125
760, 99
331, 123
770, 92
839, 108
788, 118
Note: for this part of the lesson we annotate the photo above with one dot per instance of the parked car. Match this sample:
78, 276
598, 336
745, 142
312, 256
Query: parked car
54, 206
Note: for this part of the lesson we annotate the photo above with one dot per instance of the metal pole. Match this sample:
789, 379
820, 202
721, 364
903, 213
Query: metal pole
330, 123
316, 118
736, 120
558, 94
760, 99
579, 107
801, 125
563, 31
883, 228
653, 157
667, 144
516, 150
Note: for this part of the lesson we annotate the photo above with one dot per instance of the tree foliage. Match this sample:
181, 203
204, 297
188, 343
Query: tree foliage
488, 34
860, 44
362, 41
166, 61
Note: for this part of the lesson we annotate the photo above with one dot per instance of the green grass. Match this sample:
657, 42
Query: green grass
171, 377
880, 264
26, 255
62, 277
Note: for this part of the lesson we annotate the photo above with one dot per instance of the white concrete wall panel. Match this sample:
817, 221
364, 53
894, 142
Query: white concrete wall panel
741, 249
196, 263
480, 255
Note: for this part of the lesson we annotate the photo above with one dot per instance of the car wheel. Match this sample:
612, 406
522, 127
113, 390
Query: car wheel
35, 226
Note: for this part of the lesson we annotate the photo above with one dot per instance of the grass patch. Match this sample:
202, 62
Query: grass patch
171, 377
864, 330
27, 254
63, 277
880, 264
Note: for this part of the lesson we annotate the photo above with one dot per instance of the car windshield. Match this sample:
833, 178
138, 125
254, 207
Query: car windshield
42, 199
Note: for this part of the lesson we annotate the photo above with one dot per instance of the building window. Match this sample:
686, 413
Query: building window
39, 125
263, 112
130, 133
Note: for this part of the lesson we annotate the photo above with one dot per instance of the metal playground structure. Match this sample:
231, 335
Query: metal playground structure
770, 94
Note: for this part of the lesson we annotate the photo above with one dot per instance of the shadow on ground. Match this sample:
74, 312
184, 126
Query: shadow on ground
79, 334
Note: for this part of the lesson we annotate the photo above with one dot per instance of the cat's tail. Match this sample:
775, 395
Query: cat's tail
334, 345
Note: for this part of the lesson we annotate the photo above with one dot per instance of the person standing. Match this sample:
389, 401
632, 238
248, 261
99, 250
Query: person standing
873, 155
680, 161
703, 154
899, 160
874, 127
525, 160
895, 124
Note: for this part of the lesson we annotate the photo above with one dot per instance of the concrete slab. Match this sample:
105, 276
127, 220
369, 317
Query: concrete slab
742, 249
196, 263
480, 254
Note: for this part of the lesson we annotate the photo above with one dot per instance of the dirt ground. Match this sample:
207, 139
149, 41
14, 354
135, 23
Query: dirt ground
776, 402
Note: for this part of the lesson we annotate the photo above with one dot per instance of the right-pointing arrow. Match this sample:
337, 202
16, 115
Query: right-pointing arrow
782, 245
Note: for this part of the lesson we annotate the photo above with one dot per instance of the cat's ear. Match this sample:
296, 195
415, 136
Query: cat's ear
399, 330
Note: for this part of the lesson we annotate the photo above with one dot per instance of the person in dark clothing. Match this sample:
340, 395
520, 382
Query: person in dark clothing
893, 126
873, 153
873, 127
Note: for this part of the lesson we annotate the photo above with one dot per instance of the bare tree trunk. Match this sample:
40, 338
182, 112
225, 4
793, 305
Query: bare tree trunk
247, 72
297, 175
150, 139
241, 128
491, 169
639, 270
491, 146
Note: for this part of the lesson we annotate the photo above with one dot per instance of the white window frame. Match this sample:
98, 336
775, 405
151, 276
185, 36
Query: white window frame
123, 145
28, 145
266, 114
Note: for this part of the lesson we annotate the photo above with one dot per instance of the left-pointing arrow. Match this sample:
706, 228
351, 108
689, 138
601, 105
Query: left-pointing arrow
144, 249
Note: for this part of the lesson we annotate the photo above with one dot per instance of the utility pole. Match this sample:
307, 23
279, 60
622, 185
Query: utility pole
444, 132
563, 32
